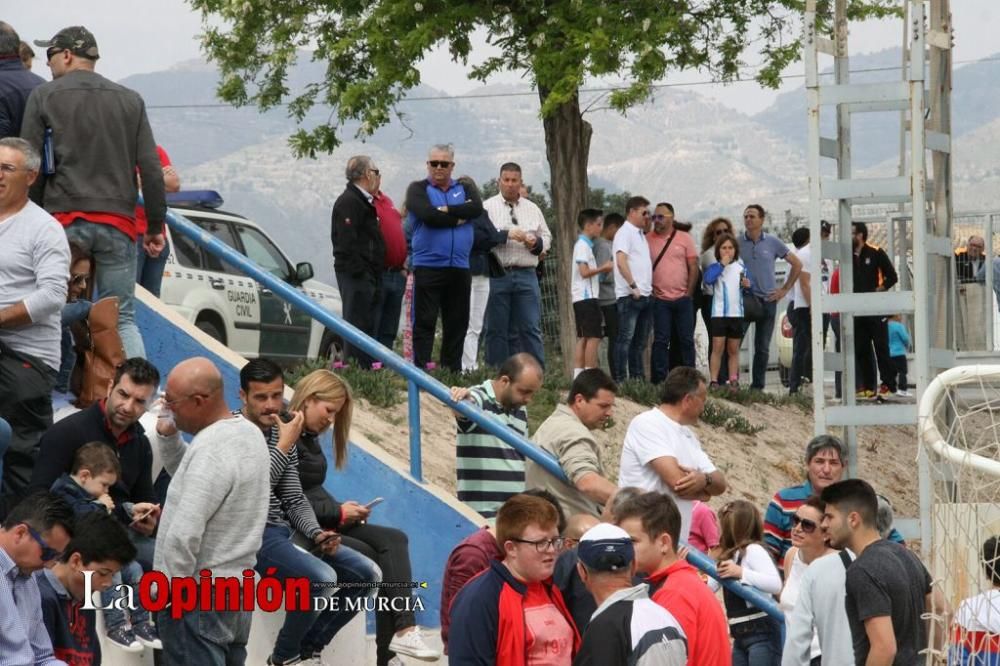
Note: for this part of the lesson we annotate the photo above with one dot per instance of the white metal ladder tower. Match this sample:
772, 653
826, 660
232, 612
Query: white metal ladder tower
926, 118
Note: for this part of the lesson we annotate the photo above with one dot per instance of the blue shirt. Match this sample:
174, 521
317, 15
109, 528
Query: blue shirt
759, 258
899, 339
23, 640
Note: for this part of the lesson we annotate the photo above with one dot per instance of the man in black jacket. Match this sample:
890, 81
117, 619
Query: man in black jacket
358, 249
16, 82
873, 271
114, 421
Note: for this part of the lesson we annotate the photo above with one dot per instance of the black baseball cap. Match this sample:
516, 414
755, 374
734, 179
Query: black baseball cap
76, 39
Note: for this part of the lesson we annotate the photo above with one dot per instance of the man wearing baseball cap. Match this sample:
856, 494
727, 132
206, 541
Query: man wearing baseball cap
93, 134
627, 627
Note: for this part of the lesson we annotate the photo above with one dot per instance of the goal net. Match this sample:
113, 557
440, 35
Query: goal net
959, 425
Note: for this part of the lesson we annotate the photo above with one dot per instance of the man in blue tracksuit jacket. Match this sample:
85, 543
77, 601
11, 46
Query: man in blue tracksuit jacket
438, 211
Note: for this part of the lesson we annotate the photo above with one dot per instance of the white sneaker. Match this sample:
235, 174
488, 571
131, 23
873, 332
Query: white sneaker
316, 660
412, 644
396, 661
903, 393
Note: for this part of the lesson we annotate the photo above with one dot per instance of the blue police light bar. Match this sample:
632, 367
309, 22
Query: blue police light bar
203, 198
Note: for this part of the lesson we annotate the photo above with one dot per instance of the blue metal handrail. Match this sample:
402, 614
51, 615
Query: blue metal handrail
417, 380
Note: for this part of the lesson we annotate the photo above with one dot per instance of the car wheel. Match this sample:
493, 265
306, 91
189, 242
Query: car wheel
332, 347
211, 329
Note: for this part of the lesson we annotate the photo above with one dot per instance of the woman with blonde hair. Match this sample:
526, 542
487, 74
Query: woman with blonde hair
325, 400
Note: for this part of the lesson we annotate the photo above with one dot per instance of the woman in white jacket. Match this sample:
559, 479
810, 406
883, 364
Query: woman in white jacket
728, 278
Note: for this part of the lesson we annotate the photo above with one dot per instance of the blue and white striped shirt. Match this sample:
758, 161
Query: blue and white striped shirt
23, 640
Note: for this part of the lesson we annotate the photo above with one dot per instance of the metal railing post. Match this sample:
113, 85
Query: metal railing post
413, 408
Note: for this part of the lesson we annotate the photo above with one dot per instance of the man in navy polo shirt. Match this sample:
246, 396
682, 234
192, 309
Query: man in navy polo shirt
759, 251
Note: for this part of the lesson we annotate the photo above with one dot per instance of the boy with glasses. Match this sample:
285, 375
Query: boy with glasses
512, 612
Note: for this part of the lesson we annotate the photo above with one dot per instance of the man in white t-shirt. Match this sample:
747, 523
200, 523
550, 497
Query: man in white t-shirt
661, 453
633, 287
584, 290
799, 315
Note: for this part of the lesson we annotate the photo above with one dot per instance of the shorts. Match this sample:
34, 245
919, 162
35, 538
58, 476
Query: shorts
589, 321
727, 327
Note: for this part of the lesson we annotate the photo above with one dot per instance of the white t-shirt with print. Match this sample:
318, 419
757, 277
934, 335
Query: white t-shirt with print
653, 435
630, 240
583, 253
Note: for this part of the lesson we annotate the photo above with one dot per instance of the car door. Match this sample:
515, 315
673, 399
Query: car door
284, 329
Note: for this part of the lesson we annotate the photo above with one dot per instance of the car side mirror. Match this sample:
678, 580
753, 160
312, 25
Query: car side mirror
303, 271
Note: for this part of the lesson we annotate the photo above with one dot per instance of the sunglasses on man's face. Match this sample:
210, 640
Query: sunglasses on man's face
48, 553
808, 526
439, 164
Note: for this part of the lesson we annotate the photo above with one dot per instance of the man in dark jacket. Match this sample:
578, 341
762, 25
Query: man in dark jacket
94, 134
114, 421
16, 82
873, 271
358, 249
438, 211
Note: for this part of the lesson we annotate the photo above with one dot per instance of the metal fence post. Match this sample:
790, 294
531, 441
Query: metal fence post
413, 398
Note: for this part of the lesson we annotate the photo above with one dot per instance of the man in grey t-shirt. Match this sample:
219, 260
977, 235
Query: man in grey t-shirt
34, 273
606, 281
888, 588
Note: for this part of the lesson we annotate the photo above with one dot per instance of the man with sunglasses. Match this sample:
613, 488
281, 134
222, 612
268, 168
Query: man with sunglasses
35, 533
512, 613
95, 134
34, 265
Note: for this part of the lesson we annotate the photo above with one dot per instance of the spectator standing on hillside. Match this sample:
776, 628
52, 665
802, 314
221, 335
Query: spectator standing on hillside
440, 210
149, 269
633, 286
888, 587
96, 133
584, 290
662, 453
568, 435
675, 277
801, 320
489, 470
16, 82
358, 250
34, 265
390, 302
760, 251
970, 260
483, 264
873, 271
899, 344
514, 314
606, 283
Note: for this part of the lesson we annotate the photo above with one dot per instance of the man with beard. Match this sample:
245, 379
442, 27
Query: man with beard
489, 470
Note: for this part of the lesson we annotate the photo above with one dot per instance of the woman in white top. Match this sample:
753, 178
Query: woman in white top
808, 543
728, 277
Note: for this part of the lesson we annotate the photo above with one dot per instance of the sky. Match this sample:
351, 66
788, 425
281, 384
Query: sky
139, 36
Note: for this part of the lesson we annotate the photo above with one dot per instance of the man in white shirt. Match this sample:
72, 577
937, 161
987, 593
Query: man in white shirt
633, 287
799, 314
514, 313
661, 453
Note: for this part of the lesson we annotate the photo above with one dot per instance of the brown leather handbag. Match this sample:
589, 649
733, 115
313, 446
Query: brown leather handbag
99, 352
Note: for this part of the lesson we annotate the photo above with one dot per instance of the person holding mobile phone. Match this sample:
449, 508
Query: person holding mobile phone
294, 543
325, 401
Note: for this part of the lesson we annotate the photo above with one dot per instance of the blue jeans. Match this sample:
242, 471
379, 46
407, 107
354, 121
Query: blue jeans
115, 617
306, 632
5, 434
633, 331
149, 270
389, 307
72, 312
760, 648
763, 331
801, 323
114, 264
670, 316
205, 638
514, 317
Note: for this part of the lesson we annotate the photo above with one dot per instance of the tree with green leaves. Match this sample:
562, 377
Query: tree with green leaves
370, 49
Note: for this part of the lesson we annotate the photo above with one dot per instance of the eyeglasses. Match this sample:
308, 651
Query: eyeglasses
48, 553
78, 279
645, 213
720, 230
439, 164
11, 168
542, 545
659, 218
374, 171
53, 51
808, 526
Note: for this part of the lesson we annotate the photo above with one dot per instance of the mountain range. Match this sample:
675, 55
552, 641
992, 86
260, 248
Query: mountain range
706, 158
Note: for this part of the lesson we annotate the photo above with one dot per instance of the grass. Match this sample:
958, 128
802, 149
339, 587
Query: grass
748, 396
721, 416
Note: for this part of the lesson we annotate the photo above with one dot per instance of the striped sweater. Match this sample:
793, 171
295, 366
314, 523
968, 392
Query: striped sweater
489, 471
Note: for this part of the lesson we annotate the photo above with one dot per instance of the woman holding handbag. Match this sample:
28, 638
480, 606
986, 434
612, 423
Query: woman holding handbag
728, 278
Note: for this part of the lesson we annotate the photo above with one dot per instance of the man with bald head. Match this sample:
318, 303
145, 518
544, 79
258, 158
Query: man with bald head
215, 511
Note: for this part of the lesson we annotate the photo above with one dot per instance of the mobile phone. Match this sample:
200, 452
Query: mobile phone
285, 416
319, 544
374, 502
141, 517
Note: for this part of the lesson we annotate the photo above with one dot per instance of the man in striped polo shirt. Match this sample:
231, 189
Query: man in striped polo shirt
489, 470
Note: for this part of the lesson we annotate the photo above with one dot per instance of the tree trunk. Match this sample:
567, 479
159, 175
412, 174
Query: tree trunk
567, 147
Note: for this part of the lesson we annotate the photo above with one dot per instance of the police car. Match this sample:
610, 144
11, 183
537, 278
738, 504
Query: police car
235, 309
